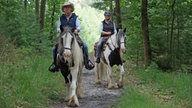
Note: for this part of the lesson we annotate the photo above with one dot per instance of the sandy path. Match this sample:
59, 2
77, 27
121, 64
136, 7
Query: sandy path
95, 96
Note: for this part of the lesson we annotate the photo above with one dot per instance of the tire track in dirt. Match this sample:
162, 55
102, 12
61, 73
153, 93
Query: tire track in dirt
95, 96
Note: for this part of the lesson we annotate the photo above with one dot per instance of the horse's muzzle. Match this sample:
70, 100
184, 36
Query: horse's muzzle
67, 53
123, 50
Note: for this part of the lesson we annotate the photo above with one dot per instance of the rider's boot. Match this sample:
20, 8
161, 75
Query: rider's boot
88, 64
98, 53
54, 67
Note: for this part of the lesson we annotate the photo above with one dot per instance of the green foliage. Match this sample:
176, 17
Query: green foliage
27, 83
21, 26
153, 88
134, 98
169, 30
175, 85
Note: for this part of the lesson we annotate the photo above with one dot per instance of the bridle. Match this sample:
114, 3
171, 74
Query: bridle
119, 42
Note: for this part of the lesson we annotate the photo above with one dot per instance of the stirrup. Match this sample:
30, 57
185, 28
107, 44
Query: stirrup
53, 69
89, 65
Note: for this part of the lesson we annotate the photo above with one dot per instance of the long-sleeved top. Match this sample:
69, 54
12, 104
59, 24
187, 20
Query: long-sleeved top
77, 23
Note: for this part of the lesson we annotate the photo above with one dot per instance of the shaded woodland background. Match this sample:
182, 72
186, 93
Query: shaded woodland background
157, 31
158, 50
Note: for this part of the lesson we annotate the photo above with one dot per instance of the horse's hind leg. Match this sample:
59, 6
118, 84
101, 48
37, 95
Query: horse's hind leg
120, 83
109, 78
79, 84
98, 73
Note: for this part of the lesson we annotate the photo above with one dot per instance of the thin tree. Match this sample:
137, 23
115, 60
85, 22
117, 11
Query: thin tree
118, 14
25, 5
171, 36
42, 14
111, 8
145, 33
37, 10
52, 20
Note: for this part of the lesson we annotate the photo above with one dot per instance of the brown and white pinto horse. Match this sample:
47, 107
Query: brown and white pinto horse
70, 61
112, 55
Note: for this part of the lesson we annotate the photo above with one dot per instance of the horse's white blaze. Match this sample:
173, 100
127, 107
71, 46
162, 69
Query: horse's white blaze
67, 45
122, 45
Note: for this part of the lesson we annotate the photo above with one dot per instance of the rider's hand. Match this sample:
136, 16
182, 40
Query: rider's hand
75, 32
108, 33
59, 31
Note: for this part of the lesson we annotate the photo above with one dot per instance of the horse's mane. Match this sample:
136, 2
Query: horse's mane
65, 29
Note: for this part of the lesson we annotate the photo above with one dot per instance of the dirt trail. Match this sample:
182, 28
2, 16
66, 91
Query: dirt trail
95, 96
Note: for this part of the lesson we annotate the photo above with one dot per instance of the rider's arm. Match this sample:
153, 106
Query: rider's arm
78, 26
58, 26
103, 32
115, 30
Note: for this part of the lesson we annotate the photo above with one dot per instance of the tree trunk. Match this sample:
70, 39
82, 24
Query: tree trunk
178, 38
111, 8
25, 5
37, 10
171, 36
145, 32
52, 21
42, 14
118, 13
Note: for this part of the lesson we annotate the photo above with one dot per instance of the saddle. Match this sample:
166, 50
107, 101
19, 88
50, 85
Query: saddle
79, 41
104, 41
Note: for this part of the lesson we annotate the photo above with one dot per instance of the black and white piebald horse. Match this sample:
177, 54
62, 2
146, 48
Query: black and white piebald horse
112, 55
70, 61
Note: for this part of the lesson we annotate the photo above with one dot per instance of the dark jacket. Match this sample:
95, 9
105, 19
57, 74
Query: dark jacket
71, 22
108, 27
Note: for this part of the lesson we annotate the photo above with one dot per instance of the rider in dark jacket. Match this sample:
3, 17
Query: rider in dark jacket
70, 19
107, 28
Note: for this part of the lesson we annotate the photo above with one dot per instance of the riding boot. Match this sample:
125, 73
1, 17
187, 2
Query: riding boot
88, 64
53, 67
98, 54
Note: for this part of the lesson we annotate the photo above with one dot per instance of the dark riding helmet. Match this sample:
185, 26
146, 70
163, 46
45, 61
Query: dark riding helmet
107, 13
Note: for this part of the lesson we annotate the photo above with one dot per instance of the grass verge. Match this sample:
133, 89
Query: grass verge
153, 88
25, 81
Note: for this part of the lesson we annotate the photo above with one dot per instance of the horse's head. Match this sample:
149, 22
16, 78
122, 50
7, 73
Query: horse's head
121, 39
66, 40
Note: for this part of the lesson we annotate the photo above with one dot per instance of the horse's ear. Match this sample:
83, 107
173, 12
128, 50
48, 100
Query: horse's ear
61, 28
117, 30
124, 30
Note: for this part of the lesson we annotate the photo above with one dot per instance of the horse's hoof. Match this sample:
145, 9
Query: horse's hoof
111, 87
98, 82
120, 85
73, 102
66, 99
80, 95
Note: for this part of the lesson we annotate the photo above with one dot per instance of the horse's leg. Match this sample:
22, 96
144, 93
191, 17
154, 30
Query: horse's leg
120, 83
65, 73
103, 71
97, 73
109, 77
79, 84
73, 100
